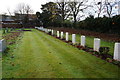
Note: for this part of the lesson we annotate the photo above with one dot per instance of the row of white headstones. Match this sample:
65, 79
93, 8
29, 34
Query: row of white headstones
83, 41
3, 45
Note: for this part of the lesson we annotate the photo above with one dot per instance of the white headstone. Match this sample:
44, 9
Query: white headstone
117, 51
58, 34
42, 28
46, 30
67, 36
83, 41
61, 35
52, 32
73, 38
96, 44
2, 45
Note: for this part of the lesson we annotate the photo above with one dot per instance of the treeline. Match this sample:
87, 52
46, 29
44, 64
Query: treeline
104, 25
65, 14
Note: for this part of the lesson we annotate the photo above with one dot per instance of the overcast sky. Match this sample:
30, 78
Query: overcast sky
35, 4
12, 4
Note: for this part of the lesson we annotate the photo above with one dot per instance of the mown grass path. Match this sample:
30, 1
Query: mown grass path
42, 56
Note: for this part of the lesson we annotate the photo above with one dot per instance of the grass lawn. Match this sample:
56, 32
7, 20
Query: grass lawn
0, 65
39, 55
0, 56
90, 42
0, 33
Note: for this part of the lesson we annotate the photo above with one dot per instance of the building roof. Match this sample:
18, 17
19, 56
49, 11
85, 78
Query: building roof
6, 18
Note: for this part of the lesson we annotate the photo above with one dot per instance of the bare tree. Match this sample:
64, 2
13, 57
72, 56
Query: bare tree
8, 9
10, 13
63, 9
109, 6
76, 7
20, 8
23, 10
28, 9
98, 7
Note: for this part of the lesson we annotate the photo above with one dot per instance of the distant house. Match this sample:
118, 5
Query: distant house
17, 20
8, 21
5, 19
20, 17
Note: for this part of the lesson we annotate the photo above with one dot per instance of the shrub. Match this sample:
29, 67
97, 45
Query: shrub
104, 50
104, 25
4, 31
116, 63
109, 60
7, 30
95, 52
49, 32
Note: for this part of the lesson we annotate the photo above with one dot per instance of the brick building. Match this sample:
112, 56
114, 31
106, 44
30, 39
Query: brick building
17, 20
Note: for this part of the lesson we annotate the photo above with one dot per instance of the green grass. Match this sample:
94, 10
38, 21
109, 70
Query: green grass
90, 42
0, 65
39, 55
0, 33
0, 56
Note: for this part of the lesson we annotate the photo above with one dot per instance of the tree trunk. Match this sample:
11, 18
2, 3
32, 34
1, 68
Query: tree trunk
75, 20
